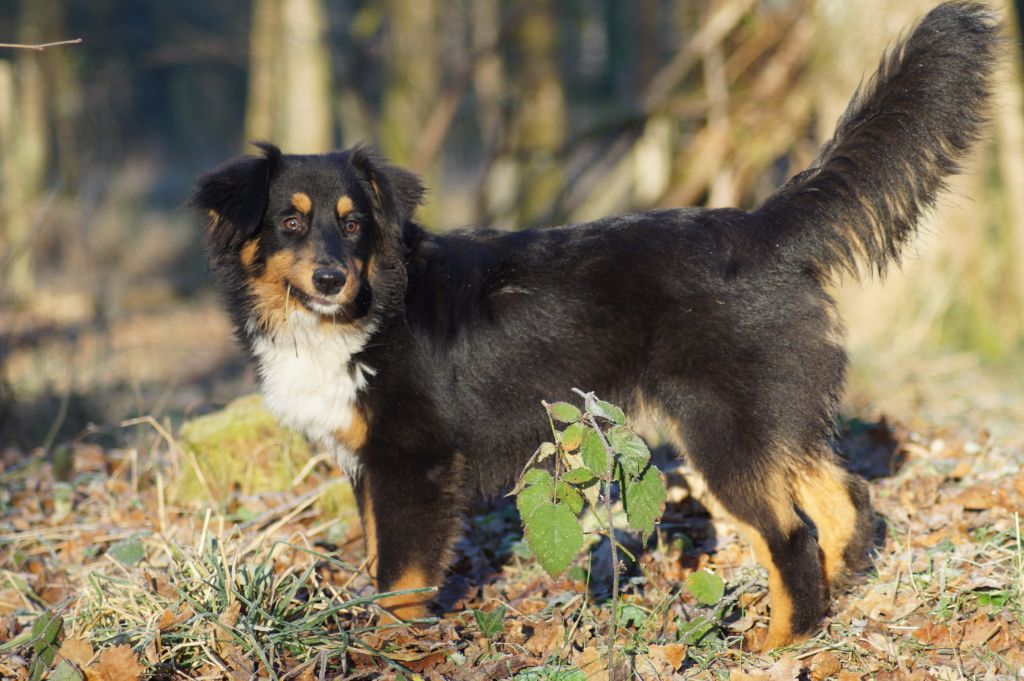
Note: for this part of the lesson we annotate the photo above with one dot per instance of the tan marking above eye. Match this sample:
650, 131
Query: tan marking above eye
344, 206
302, 203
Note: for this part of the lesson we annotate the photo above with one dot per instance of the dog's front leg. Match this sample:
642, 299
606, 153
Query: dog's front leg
410, 507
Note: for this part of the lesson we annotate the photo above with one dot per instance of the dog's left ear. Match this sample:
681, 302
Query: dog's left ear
395, 191
234, 196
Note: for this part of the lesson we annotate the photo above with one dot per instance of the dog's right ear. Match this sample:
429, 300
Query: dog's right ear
234, 197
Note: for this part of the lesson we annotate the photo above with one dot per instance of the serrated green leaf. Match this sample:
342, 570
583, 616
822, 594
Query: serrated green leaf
537, 476
490, 623
564, 412
707, 587
608, 411
572, 436
65, 671
579, 476
533, 496
594, 456
569, 496
631, 450
643, 498
127, 551
554, 536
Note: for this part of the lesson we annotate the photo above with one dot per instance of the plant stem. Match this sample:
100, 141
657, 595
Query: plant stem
610, 529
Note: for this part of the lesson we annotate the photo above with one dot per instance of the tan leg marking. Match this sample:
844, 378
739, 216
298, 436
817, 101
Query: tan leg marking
302, 203
780, 501
409, 606
369, 531
823, 495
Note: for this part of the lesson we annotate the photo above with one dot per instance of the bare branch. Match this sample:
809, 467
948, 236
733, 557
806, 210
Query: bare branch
41, 46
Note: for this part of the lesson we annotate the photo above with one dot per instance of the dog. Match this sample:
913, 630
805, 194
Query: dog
422, 359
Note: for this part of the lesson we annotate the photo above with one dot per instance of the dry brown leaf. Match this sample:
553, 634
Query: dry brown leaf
824, 665
740, 675
786, 668
672, 654
592, 663
980, 497
227, 619
1018, 484
547, 637
848, 676
934, 634
116, 664
76, 650
979, 629
168, 619
308, 672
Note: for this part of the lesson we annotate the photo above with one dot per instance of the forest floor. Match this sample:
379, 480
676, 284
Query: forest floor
145, 549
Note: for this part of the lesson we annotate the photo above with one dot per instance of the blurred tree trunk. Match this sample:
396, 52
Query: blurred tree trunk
537, 127
23, 152
413, 80
289, 101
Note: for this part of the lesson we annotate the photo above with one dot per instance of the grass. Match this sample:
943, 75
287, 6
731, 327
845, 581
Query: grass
199, 588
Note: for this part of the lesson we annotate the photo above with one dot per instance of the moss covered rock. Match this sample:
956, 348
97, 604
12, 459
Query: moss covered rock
239, 448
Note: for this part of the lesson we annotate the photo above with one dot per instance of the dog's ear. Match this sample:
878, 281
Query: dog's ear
396, 192
234, 196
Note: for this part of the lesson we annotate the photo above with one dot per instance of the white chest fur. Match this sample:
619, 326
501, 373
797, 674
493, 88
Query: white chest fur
308, 379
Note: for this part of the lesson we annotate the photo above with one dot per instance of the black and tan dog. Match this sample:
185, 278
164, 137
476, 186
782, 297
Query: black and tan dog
422, 359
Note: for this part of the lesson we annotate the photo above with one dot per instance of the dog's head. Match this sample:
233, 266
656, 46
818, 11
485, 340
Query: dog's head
320, 234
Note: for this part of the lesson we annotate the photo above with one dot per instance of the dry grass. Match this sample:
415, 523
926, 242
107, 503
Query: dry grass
268, 583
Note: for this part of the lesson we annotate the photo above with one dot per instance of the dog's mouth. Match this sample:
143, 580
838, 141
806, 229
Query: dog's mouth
317, 304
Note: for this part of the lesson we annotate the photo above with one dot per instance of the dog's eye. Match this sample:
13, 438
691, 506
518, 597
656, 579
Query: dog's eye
351, 226
292, 224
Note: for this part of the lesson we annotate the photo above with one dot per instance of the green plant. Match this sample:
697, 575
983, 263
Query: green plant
593, 450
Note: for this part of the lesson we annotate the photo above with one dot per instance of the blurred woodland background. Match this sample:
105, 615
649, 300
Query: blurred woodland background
517, 114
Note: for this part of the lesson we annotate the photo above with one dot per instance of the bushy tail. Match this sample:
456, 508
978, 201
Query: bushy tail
901, 136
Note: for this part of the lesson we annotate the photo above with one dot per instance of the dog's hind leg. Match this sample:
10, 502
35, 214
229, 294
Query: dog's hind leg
784, 544
750, 476
839, 504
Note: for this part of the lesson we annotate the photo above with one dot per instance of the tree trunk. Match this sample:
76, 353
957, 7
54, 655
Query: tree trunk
290, 100
23, 156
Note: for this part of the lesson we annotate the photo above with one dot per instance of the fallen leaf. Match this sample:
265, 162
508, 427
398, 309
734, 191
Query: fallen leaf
934, 635
786, 668
227, 620
740, 675
979, 629
979, 497
592, 663
547, 637
848, 676
672, 654
76, 650
824, 665
116, 664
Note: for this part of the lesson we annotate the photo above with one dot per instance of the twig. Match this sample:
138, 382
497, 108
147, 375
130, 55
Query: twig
39, 47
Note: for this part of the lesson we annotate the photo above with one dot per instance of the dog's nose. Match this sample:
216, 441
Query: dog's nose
328, 280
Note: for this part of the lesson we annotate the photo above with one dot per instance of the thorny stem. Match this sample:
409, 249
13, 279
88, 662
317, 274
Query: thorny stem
609, 508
